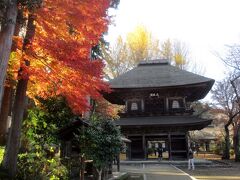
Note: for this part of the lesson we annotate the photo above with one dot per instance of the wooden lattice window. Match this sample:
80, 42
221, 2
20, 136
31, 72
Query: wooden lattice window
134, 106
176, 103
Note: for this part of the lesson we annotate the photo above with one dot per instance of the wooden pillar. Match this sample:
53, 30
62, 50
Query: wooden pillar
144, 147
166, 106
142, 104
128, 153
118, 163
126, 106
169, 146
187, 143
184, 103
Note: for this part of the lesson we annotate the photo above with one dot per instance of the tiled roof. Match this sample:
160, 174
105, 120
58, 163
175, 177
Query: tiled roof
157, 73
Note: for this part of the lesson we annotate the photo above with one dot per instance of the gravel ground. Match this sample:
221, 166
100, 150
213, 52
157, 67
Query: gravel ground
225, 170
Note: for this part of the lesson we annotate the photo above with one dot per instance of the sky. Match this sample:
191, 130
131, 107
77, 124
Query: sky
205, 26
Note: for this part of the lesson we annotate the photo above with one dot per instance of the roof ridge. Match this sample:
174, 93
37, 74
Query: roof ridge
154, 62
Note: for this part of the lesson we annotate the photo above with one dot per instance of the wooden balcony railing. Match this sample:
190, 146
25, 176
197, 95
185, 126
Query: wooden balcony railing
179, 111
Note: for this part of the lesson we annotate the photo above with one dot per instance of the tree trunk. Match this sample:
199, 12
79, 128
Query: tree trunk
11, 153
82, 170
10, 156
7, 98
237, 143
6, 35
226, 154
99, 174
6, 106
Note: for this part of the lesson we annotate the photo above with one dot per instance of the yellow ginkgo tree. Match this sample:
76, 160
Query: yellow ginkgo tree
125, 54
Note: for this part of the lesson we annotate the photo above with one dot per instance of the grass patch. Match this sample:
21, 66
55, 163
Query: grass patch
3, 172
1, 153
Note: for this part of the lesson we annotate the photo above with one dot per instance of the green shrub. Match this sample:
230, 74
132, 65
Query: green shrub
150, 150
3, 173
38, 157
218, 150
232, 152
37, 166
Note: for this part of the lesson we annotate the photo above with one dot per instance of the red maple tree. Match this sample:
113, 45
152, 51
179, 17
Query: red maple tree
66, 31
55, 60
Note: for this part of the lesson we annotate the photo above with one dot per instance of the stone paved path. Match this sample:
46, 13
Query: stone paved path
155, 172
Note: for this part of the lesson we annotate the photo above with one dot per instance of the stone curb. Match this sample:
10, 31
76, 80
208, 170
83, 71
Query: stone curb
197, 162
119, 176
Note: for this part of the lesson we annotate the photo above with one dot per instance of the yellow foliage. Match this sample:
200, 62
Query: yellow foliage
142, 46
179, 59
138, 40
13, 66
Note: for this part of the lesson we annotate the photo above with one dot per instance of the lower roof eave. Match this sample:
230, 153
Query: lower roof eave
170, 127
188, 126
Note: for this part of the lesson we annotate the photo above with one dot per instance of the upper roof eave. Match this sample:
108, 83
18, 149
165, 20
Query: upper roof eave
209, 83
